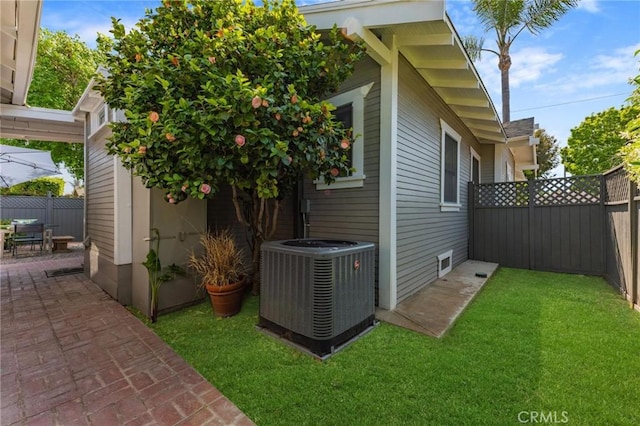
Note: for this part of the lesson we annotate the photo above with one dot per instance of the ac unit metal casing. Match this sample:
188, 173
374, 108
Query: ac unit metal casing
318, 293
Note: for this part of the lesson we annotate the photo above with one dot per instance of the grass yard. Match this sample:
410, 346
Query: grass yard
566, 346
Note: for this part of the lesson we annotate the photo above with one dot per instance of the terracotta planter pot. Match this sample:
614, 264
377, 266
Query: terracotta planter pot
226, 300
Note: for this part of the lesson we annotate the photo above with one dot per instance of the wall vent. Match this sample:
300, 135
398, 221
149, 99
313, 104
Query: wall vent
445, 261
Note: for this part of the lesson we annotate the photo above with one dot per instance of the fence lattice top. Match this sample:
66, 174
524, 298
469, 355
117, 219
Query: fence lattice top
568, 191
576, 190
616, 185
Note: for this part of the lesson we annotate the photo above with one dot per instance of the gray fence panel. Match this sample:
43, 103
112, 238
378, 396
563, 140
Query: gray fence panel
617, 246
550, 225
569, 239
501, 236
64, 215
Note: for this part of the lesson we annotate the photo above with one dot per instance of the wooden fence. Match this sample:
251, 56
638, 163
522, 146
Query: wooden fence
581, 224
64, 215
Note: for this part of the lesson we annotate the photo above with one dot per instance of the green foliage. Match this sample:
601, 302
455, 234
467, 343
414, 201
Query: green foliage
630, 153
516, 348
64, 65
158, 275
227, 92
594, 145
37, 187
547, 153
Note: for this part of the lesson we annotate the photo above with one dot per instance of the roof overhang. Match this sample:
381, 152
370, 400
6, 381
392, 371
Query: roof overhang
20, 25
19, 41
91, 99
426, 37
40, 124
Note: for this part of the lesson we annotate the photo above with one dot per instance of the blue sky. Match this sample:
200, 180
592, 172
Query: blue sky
578, 67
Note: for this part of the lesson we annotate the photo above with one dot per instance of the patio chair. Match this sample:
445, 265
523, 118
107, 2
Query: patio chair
27, 233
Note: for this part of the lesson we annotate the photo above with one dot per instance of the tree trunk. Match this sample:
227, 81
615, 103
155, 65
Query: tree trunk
504, 65
261, 219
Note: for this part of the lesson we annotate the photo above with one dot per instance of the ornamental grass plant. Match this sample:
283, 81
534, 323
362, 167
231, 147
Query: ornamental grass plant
221, 262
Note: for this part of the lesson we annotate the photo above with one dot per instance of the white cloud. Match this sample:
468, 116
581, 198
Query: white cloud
590, 6
603, 70
529, 65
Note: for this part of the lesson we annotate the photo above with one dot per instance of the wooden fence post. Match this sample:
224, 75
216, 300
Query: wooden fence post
633, 226
532, 200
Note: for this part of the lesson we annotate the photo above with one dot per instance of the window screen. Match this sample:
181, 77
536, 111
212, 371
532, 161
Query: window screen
450, 170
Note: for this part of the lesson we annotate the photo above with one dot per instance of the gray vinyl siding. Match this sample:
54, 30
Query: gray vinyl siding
423, 231
352, 213
100, 198
487, 160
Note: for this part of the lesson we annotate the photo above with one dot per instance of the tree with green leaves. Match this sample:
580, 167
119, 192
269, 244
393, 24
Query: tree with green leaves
220, 93
64, 65
509, 18
547, 153
594, 145
630, 152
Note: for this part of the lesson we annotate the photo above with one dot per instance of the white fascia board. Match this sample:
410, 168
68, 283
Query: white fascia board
26, 48
90, 97
36, 113
372, 13
527, 167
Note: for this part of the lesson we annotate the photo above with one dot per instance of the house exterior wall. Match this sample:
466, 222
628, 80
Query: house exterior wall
487, 161
502, 157
423, 230
99, 262
352, 213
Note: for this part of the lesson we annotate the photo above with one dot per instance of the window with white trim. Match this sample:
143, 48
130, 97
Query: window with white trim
474, 170
449, 168
350, 106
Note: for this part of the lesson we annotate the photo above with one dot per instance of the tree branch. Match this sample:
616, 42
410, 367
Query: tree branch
236, 205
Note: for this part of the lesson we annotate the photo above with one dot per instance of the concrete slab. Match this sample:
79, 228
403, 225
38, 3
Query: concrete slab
435, 308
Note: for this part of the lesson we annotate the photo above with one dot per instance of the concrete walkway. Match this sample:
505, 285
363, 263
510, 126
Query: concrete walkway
435, 308
70, 355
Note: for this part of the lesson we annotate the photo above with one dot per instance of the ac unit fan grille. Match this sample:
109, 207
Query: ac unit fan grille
322, 298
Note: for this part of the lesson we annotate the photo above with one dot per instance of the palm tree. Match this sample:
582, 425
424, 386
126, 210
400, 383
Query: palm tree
509, 18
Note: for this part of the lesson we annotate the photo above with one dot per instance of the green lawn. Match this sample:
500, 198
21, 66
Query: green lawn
564, 345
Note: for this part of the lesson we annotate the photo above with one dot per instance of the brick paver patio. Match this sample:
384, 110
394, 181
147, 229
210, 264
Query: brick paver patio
70, 355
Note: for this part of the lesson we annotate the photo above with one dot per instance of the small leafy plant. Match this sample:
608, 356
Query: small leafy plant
157, 275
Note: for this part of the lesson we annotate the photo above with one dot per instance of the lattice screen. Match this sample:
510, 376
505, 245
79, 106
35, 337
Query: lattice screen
507, 194
616, 185
568, 191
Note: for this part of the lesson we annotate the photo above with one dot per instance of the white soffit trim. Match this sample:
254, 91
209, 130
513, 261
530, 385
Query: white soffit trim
26, 47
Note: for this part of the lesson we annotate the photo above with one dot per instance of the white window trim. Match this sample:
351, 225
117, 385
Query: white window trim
96, 126
446, 129
356, 98
445, 271
475, 155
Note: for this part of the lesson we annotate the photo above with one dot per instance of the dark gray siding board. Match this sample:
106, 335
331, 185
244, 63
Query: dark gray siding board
423, 231
352, 213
